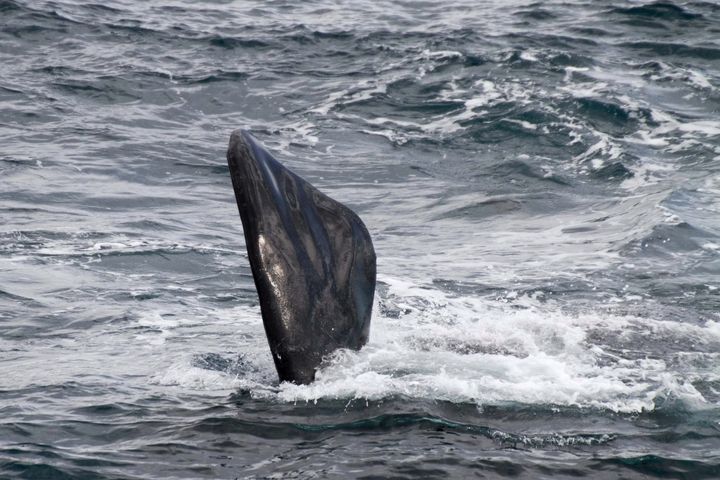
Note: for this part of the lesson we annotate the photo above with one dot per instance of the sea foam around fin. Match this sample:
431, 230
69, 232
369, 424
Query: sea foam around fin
432, 345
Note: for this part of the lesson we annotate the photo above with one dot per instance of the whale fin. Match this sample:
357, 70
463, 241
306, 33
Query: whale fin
312, 260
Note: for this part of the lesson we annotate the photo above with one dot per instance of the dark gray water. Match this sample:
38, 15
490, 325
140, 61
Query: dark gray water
541, 180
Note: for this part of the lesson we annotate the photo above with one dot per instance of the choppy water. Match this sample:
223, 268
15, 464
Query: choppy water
541, 180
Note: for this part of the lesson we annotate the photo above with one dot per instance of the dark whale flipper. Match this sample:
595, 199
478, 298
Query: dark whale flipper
312, 260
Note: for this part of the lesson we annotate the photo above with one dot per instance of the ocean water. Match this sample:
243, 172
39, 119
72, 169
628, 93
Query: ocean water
541, 181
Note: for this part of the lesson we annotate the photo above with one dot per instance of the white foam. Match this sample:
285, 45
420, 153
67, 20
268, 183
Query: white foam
528, 56
441, 54
79, 246
699, 80
361, 91
522, 123
605, 146
182, 374
693, 78
465, 349
570, 70
391, 134
447, 123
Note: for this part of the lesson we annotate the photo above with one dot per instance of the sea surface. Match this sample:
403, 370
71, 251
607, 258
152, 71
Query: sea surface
541, 181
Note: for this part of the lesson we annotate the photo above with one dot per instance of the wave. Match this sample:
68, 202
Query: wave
658, 10
669, 49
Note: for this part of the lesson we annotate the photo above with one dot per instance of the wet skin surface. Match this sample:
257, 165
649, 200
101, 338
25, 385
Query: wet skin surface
312, 260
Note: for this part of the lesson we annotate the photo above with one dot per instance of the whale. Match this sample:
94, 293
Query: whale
312, 261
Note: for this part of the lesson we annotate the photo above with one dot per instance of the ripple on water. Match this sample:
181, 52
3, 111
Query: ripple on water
540, 182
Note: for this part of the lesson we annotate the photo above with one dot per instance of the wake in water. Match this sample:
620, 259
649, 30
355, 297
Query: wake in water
433, 344
540, 182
